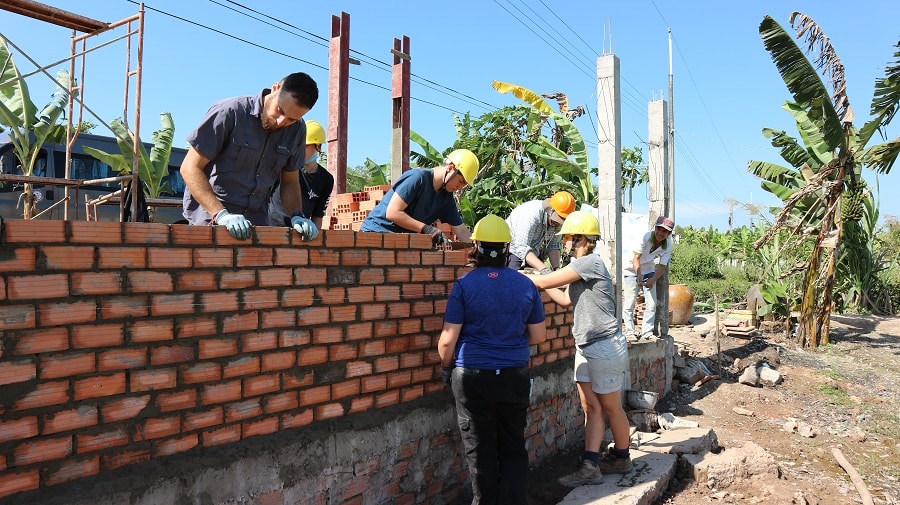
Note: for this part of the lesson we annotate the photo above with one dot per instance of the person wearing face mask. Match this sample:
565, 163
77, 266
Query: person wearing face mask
241, 149
422, 196
315, 188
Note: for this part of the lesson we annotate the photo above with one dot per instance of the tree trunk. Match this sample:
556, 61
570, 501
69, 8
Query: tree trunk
29, 203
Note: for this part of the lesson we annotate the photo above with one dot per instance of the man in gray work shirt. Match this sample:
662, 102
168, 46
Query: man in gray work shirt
243, 146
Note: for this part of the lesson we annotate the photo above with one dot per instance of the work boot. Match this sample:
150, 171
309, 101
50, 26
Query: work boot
588, 473
610, 464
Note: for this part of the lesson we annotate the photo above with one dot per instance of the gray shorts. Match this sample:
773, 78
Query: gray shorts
604, 364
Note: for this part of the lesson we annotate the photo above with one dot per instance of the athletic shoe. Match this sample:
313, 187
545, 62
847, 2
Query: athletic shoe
610, 464
588, 473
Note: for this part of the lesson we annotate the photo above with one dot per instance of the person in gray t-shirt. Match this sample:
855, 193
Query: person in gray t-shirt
601, 354
239, 151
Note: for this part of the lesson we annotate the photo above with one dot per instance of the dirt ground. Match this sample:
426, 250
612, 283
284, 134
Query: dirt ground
847, 393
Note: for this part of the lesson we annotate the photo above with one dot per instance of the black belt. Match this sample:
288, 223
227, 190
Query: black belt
494, 371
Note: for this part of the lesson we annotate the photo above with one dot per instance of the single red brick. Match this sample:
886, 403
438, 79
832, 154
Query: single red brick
196, 280
254, 257
217, 347
243, 321
259, 341
41, 341
18, 429
329, 257
245, 365
407, 326
153, 379
386, 364
279, 319
57, 314
399, 378
226, 435
397, 345
261, 384
387, 399
192, 235
358, 368
280, 402
342, 352
90, 442
34, 230
97, 335
44, 394
124, 458
432, 257
121, 359
242, 410
158, 428
345, 389
72, 419
343, 313
260, 299
445, 274
169, 257
95, 232
329, 411
101, 385
456, 258
122, 409
17, 482
43, 449
264, 426
199, 326
221, 393
315, 395
372, 347
40, 287
331, 295
291, 257
54, 366
175, 445
156, 330
312, 316
68, 257
146, 281
173, 304
213, 258
294, 378
201, 372
73, 469
293, 338
372, 241
382, 258
273, 235
124, 306
355, 257
219, 302
387, 293
237, 279
179, 400
203, 419
422, 308
297, 297
277, 361
296, 419
399, 274
398, 241
328, 335
409, 257
310, 276
385, 328
16, 317
361, 294
122, 257
361, 404
373, 383
372, 311
276, 277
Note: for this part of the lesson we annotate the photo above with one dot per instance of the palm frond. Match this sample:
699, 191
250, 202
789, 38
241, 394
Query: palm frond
882, 157
801, 78
885, 99
827, 60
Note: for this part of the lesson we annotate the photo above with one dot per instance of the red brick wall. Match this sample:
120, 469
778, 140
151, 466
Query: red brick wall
124, 343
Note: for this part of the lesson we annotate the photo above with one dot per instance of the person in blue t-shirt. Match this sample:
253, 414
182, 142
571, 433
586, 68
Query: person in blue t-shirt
493, 315
422, 196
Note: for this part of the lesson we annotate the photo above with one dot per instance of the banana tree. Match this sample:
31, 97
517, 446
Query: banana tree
28, 129
822, 190
153, 168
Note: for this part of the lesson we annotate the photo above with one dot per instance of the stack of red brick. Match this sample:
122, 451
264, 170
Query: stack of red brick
348, 210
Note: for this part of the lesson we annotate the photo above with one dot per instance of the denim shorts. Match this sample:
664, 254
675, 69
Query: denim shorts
603, 363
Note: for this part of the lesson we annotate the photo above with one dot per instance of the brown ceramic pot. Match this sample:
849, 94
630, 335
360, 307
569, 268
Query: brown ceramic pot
681, 303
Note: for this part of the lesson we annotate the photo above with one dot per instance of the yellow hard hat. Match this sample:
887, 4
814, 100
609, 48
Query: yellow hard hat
315, 134
580, 223
563, 203
466, 163
491, 228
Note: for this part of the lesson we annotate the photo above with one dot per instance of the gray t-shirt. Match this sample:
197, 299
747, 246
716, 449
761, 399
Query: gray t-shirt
592, 297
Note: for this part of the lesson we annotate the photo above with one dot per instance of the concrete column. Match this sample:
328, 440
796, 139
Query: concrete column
609, 163
659, 171
400, 93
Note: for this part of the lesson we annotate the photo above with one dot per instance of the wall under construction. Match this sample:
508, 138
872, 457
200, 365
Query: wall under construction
152, 363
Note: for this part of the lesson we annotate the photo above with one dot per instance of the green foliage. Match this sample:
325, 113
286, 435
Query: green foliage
369, 174
833, 395
693, 262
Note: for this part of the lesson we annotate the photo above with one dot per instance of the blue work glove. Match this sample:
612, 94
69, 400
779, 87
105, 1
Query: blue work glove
236, 224
437, 236
447, 377
304, 226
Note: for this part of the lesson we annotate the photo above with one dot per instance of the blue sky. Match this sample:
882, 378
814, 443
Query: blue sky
726, 87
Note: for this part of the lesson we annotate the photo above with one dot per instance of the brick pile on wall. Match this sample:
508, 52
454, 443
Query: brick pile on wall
128, 343
350, 209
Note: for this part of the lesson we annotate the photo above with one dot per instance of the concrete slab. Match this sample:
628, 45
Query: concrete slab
683, 441
642, 486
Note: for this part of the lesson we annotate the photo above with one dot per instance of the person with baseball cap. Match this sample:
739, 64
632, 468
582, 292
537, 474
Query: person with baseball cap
650, 262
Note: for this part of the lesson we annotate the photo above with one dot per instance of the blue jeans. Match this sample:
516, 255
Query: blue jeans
491, 410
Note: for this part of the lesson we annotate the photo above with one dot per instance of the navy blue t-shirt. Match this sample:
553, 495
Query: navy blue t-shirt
423, 202
494, 305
